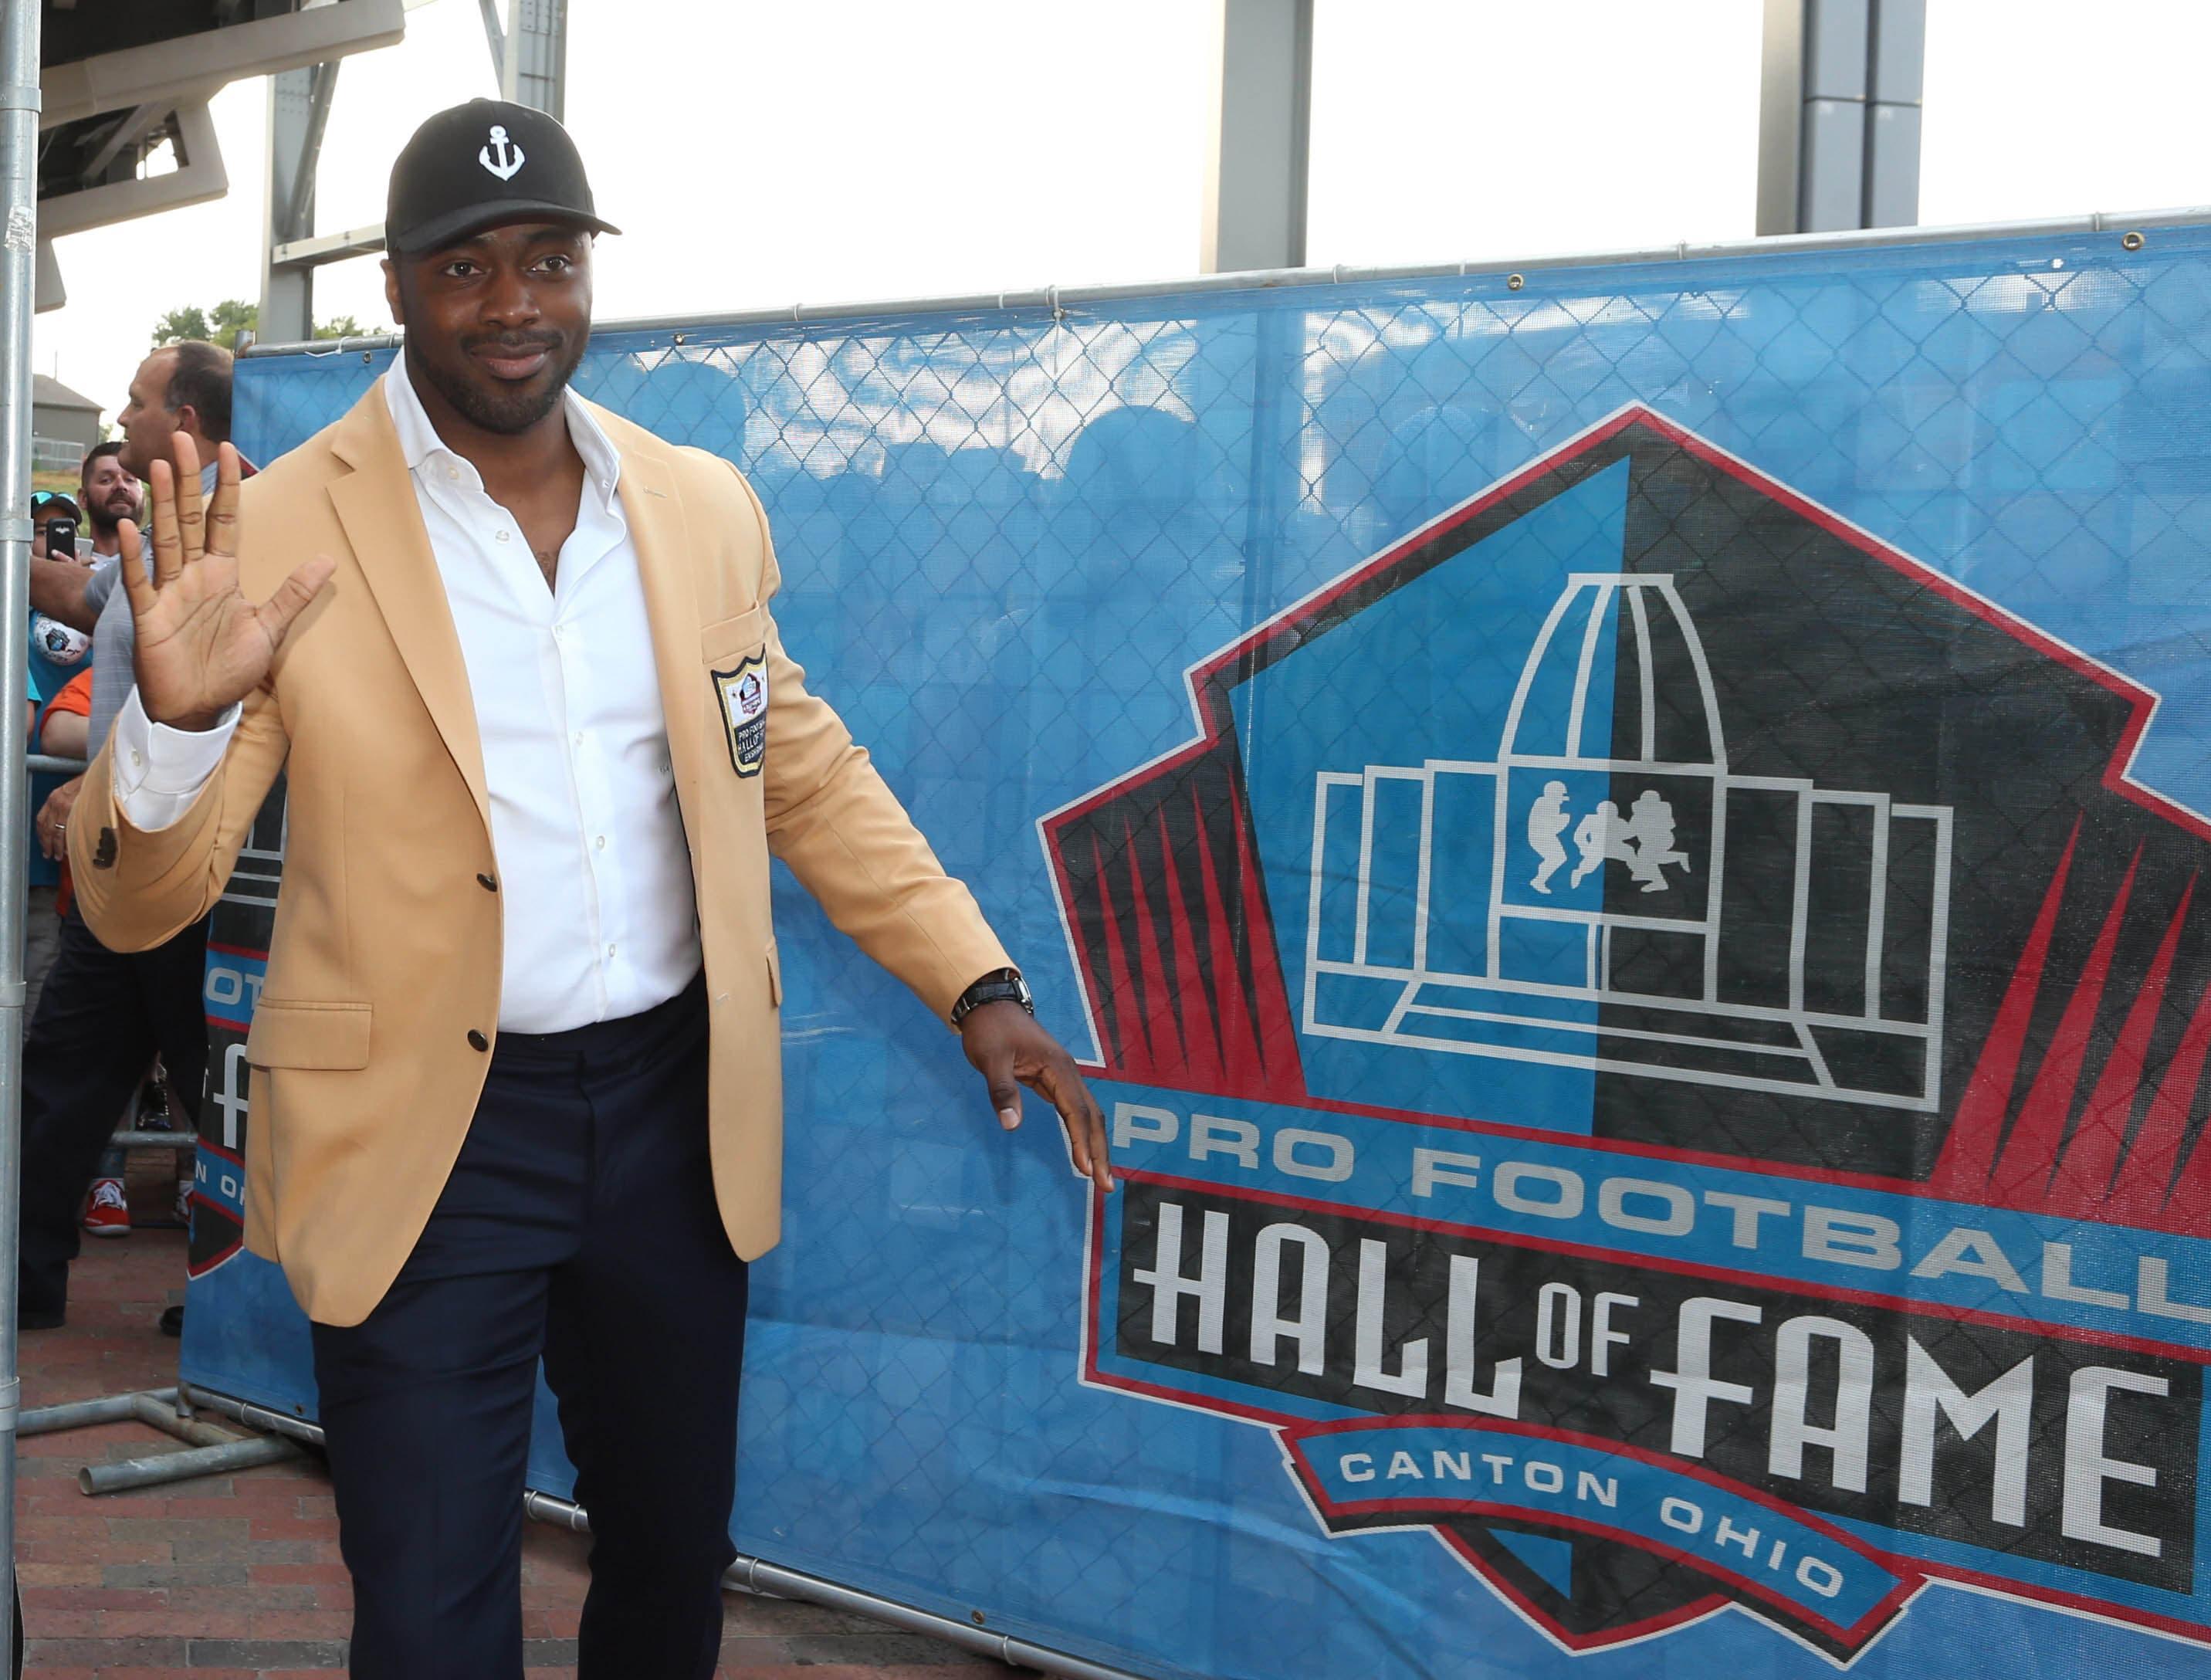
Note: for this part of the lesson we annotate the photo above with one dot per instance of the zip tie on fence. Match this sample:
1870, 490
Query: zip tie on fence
1051, 302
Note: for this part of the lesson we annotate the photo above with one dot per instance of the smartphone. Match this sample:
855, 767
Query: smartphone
61, 539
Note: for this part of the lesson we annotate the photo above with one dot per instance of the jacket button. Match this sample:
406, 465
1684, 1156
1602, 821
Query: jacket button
477, 1041
487, 883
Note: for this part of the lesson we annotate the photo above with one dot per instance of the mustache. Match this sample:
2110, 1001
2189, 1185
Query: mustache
517, 343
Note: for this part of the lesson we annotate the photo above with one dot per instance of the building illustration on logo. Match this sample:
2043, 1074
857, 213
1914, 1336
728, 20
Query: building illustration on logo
1555, 921
1550, 949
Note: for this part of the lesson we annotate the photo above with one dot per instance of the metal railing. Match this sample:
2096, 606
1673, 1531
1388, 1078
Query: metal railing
1052, 299
19, 210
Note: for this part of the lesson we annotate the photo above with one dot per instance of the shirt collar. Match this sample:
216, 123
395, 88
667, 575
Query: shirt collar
421, 444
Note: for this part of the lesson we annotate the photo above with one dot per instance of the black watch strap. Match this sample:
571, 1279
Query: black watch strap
1005, 986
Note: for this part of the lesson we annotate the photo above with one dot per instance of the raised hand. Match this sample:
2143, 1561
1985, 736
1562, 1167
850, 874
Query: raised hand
201, 646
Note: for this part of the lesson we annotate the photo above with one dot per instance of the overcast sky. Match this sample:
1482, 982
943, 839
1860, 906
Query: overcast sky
758, 154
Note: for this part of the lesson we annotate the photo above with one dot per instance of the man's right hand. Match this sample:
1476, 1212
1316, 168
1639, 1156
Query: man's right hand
202, 646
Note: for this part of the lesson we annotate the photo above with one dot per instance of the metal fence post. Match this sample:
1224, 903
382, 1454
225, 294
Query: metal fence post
19, 193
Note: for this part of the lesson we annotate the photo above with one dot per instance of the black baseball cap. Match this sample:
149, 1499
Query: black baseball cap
482, 164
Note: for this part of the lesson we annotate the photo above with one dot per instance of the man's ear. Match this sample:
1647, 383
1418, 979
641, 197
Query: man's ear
391, 294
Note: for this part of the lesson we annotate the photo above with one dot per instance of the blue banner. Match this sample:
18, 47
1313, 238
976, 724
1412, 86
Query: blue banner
1623, 849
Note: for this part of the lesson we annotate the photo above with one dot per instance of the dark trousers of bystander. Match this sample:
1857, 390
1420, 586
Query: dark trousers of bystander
579, 1225
101, 1019
42, 942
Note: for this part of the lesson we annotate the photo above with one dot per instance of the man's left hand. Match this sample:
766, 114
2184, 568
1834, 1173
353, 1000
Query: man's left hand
53, 818
1009, 1049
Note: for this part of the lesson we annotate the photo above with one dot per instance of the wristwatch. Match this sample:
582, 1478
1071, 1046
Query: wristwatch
1006, 985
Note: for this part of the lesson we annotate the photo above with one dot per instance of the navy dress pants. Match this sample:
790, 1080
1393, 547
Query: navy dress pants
579, 1226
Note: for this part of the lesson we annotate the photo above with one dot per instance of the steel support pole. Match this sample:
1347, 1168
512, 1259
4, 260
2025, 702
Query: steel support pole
1258, 140
85, 1413
19, 235
288, 291
534, 55
1838, 114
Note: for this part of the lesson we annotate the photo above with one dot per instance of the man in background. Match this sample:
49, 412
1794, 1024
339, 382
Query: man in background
104, 1016
109, 492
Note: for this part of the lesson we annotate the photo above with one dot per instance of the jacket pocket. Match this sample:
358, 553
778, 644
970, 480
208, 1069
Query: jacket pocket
732, 638
774, 976
317, 1035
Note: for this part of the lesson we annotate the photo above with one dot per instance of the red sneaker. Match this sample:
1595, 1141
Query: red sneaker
107, 1215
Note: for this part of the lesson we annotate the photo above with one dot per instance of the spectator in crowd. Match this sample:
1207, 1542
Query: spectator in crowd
105, 1016
57, 653
65, 732
109, 494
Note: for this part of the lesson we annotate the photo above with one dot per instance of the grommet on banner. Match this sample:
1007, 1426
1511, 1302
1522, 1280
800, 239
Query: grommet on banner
679, 338
1513, 282
2132, 241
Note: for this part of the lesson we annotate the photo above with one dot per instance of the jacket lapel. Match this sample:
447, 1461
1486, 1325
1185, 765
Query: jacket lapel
661, 536
384, 523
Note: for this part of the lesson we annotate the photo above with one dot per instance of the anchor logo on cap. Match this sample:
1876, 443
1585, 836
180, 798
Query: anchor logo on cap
502, 156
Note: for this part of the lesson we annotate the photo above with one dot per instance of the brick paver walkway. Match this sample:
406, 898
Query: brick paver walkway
238, 1578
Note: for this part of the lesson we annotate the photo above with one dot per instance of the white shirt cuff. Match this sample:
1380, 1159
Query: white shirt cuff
158, 772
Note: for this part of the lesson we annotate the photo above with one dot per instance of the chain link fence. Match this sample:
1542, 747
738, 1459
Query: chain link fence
1673, 742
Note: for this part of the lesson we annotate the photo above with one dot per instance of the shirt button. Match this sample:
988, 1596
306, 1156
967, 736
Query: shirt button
477, 1041
610, 950
502, 537
453, 472
600, 842
578, 737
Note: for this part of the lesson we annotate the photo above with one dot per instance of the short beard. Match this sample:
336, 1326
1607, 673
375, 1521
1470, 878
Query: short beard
505, 414
103, 523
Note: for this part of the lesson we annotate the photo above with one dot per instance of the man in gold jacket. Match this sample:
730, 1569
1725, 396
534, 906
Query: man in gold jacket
515, 1081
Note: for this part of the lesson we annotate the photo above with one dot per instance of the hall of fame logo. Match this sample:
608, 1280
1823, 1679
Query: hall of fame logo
1653, 1038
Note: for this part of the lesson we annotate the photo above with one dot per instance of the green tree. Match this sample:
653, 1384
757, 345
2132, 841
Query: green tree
230, 318
222, 324
190, 322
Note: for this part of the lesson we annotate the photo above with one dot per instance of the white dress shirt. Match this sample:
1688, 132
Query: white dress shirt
595, 875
